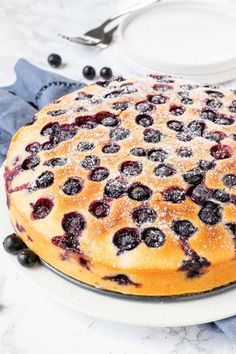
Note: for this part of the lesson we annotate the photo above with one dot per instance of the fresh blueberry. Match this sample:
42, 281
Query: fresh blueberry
106, 73
54, 60
13, 244
89, 72
27, 258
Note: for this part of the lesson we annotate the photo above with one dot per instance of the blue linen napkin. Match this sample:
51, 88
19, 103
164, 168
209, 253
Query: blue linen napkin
35, 88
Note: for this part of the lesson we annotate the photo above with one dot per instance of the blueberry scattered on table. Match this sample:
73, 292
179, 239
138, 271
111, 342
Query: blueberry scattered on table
27, 258
13, 244
54, 60
106, 73
89, 72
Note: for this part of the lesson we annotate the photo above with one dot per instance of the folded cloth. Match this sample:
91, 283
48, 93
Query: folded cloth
33, 89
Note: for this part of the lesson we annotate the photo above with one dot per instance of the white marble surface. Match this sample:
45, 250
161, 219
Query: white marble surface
30, 321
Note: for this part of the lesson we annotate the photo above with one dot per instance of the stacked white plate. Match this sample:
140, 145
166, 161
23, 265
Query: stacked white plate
188, 38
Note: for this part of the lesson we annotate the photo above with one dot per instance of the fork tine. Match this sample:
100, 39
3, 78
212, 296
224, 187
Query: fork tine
90, 39
70, 38
77, 40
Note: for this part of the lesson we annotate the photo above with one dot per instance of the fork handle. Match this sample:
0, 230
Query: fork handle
130, 9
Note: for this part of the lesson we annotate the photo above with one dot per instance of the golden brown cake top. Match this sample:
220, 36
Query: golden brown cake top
137, 174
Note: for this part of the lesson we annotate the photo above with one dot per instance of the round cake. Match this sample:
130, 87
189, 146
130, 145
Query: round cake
130, 186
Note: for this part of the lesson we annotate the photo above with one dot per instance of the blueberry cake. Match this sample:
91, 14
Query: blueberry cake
130, 185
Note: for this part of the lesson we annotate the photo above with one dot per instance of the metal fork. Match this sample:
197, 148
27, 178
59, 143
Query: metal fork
107, 39
97, 36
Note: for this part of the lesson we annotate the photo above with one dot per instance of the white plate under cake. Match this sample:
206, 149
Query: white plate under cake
130, 186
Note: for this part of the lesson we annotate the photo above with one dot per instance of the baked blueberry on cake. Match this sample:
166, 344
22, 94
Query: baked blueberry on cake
130, 185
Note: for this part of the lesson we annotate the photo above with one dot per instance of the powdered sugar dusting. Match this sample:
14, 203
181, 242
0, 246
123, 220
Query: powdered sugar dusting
135, 143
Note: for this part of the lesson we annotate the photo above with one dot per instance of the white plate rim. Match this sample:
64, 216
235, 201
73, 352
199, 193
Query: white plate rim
220, 68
